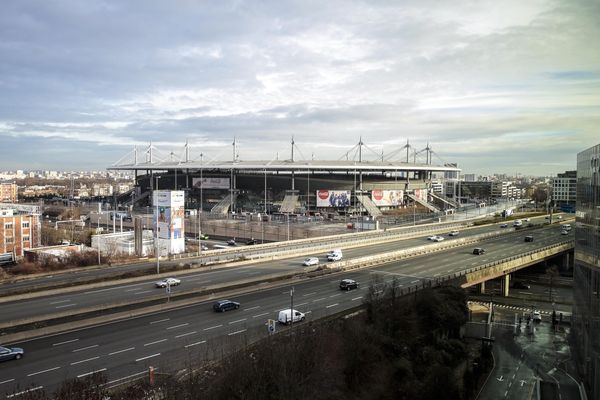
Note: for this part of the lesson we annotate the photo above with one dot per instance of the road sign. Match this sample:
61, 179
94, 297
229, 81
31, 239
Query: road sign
271, 326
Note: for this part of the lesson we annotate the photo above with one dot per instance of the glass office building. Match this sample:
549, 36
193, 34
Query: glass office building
586, 278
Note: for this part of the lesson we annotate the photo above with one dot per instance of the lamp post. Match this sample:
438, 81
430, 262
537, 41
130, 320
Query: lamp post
288, 227
292, 308
156, 240
98, 230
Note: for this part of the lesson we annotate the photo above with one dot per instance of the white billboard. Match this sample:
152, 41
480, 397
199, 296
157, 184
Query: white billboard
333, 198
169, 216
211, 183
421, 194
387, 197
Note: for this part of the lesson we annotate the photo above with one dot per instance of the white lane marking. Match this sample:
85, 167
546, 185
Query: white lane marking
66, 305
212, 327
251, 308
187, 279
356, 298
335, 295
127, 377
178, 326
160, 320
322, 298
121, 351
145, 291
332, 305
112, 288
238, 320
92, 372
41, 372
68, 341
415, 281
7, 381
259, 315
194, 344
301, 304
10, 396
309, 294
147, 357
82, 361
158, 341
61, 301
506, 393
185, 334
236, 332
85, 348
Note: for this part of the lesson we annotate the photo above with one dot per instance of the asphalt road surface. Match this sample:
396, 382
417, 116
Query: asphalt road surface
167, 340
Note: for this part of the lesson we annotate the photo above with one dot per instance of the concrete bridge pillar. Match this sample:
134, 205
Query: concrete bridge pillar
482, 288
505, 285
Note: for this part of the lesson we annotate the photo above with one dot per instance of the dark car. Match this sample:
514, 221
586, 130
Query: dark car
529, 238
503, 225
478, 251
521, 285
348, 284
14, 353
225, 305
251, 242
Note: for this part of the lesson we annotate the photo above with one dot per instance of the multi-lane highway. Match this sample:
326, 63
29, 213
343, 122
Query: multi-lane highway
89, 274
168, 340
121, 293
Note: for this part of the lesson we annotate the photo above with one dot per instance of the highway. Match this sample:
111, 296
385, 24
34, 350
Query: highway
196, 279
169, 339
82, 275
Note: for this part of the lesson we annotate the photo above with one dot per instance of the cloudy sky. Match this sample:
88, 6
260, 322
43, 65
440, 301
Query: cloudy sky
507, 86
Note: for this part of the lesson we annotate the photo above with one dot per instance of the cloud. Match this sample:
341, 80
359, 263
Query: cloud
470, 78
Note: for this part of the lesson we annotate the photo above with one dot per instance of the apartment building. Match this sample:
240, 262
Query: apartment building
8, 192
18, 232
564, 188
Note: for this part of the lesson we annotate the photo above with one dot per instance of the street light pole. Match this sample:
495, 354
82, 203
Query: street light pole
292, 308
288, 227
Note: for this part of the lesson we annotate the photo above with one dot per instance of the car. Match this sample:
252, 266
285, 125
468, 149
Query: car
285, 316
503, 225
334, 255
478, 251
168, 282
310, 261
225, 305
517, 222
438, 239
231, 242
348, 284
529, 238
527, 219
203, 237
564, 232
536, 316
453, 233
250, 242
559, 217
204, 247
11, 353
521, 285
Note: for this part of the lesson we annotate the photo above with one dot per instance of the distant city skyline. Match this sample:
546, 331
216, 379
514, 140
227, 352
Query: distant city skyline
495, 87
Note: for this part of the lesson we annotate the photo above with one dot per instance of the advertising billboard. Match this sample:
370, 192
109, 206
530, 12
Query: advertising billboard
333, 198
169, 218
421, 194
387, 197
211, 183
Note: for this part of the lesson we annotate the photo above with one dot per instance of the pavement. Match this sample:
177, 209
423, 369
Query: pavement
531, 354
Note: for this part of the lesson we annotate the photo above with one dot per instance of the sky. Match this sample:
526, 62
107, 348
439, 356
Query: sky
507, 86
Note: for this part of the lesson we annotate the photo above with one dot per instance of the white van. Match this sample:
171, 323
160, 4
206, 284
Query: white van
517, 222
335, 255
285, 318
566, 227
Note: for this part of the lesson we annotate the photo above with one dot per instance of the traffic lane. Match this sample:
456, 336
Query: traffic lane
197, 279
86, 274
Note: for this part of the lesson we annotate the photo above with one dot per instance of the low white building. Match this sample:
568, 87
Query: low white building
112, 244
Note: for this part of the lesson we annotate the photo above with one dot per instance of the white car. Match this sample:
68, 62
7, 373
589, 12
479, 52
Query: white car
168, 282
285, 316
311, 261
453, 233
432, 237
564, 232
438, 238
537, 317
